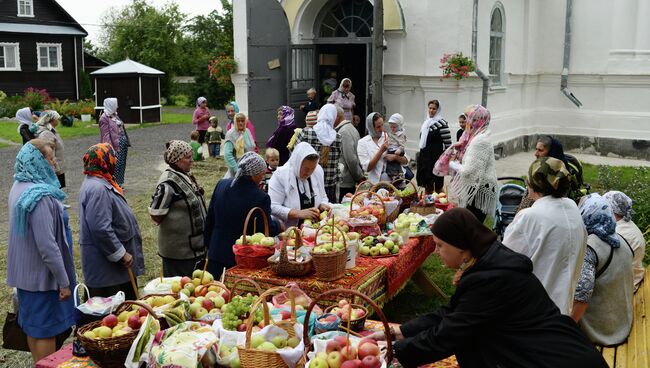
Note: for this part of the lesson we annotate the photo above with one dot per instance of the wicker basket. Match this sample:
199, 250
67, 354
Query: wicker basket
250, 357
283, 266
406, 201
330, 266
233, 289
390, 217
355, 324
252, 256
364, 186
359, 199
112, 351
329, 295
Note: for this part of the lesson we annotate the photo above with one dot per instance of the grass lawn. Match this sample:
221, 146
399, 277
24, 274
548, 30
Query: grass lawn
81, 129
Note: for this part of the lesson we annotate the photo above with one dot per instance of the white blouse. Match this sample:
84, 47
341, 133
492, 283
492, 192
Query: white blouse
366, 150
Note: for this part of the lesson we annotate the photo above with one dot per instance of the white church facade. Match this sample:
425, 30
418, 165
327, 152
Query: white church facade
283, 48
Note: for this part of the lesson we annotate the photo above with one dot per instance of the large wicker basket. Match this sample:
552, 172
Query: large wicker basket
250, 357
330, 266
235, 285
253, 256
328, 295
390, 217
359, 200
112, 351
285, 267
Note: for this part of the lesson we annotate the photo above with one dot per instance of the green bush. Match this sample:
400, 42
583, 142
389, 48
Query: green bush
180, 100
10, 105
36, 98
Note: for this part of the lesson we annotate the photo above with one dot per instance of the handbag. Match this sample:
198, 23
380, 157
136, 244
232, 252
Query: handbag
14, 338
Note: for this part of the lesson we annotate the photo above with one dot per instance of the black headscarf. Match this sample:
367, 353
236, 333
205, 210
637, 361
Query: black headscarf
460, 228
557, 151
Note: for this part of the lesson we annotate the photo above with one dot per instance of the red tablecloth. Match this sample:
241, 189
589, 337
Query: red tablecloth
64, 359
400, 268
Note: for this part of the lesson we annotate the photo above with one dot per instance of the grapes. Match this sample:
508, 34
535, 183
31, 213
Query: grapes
236, 312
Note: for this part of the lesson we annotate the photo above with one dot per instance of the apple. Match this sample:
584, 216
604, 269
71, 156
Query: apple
103, 332
334, 359
196, 274
256, 341
186, 292
356, 363
384, 251
185, 280
90, 335
196, 282
374, 251
366, 340
285, 314
318, 363
343, 302
279, 342
176, 287
218, 301
207, 304
242, 327
349, 352
239, 241
338, 245
293, 342
368, 349
353, 235
333, 345
267, 241
190, 287
370, 361
256, 238
110, 321
443, 200
122, 317
142, 312
134, 322
267, 346
200, 312
235, 363
342, 340
364, 250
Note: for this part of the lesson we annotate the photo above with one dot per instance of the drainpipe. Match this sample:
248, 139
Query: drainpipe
478, 71
564, 81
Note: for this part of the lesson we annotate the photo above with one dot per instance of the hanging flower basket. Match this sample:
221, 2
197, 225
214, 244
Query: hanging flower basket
221, 68
456, 66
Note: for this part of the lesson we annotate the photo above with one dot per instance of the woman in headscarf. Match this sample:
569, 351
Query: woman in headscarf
603, 303
178, 208
500, 314
232, 109
471, 164
44, 129
231, 201
109, 235
25, 121
296, 189
113, 131
201, 118
372, 150
327, 142
550, 232
39, 258
344, 98
238, 141
282, 135
435, 137
627, 229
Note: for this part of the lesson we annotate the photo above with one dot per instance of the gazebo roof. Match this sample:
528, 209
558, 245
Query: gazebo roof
127, 66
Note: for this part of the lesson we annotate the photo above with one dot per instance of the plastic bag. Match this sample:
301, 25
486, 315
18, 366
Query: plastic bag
301, 298
155, 286
100, 306
324, 326
141, 346
183, 346
228, 354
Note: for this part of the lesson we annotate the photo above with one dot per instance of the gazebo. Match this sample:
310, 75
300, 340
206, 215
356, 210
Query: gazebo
136, 87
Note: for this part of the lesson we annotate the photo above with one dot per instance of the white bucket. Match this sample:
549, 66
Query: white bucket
352, 255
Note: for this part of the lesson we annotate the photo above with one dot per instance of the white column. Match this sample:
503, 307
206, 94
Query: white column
624, 19
240, 40
643, 26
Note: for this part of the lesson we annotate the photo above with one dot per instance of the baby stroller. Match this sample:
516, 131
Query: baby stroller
508, 198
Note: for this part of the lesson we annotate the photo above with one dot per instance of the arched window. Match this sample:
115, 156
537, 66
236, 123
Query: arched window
497, 33
351, 18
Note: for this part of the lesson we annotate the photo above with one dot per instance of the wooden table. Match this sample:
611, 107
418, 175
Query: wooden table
378, 278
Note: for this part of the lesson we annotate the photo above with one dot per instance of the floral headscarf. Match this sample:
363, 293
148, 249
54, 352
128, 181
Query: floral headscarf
548, 173
286, 116
599, 219
44, 121
100, 161
621, 204
251, 164
176, 150
478, 118
32, 167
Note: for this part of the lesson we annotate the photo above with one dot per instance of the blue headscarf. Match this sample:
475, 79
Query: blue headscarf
599, 219
32, 167
235, 107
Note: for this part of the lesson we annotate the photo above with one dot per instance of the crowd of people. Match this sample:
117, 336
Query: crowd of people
560, 281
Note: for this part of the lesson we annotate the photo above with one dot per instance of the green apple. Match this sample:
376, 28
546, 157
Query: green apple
338, 245
257, 238
103, 332
194, 307
353, 235
279, 342
368, 239
384, 251
389, 244
318, 363
293, 342
239, 241
267, 346
307, 223
256, 341
374, 251
327, 247
218, 301
200, 312
395, 250
267, 241
365, 250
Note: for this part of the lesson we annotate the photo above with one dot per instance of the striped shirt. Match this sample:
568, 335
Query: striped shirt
445, 133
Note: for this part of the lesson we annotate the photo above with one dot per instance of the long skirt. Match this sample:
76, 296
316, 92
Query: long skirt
42, 315
120, 168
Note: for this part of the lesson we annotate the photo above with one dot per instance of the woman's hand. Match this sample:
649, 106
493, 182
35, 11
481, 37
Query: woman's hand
127, 260
384, 147
157, 219
381, 336
308, 213
324, 207
390, 157
64, 293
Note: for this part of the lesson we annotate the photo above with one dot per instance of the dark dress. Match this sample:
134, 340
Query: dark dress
225, 221
500, 316
436, 140
279, 141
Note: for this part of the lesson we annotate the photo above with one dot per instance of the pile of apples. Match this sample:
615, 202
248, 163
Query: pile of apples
114, 326
372, 246
407, 191
434, 198
346, 310
404, 220
225, 351
195, 286
211, 303
340, 354
371, 209
256, 239
276, 343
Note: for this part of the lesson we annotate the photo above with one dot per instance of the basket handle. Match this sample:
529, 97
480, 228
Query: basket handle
245, 280
382, 317
220, 285
370, 194
248, 218
262, 299
407, 183
382, 185
334, 227
122, 307
75, 292
356, 190
283, 247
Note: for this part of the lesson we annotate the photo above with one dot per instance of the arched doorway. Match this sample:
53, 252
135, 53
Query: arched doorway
343, 31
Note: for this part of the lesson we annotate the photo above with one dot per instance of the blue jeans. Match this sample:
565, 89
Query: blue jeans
214, 149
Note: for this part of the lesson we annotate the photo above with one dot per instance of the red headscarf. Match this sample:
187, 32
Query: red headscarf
100, 162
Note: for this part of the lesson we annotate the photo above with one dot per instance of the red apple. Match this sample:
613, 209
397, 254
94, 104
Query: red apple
134, 322
365, 340
285, 314
333, 345
110, 321
142, 312
226, 295
241, 327
342, 340
349, 352
334, 359
370, 362
351, 364
368, 349
185, 280
207, 304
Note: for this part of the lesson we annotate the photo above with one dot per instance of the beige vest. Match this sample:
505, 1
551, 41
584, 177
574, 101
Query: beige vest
609, 316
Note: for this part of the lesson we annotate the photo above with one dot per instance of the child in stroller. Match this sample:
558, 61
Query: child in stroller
508, 198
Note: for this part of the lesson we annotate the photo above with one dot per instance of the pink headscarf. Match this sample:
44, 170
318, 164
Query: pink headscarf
478, 119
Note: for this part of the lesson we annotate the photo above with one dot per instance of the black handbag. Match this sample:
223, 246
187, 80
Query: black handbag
13, 337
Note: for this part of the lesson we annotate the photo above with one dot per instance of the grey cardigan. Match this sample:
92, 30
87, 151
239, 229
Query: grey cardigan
351, 172
107, 229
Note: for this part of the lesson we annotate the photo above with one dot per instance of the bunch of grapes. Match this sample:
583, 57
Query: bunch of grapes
236, 312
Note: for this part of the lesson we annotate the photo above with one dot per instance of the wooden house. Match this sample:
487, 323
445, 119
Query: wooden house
41, 46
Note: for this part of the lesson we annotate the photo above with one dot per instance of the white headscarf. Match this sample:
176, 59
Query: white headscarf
397, 119
24, 117
110, 106
44, 121
324, 127
424, 131
302, 150
200, 100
